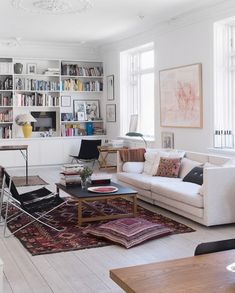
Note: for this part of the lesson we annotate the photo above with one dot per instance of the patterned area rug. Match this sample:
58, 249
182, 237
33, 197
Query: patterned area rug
32, 181
39, 239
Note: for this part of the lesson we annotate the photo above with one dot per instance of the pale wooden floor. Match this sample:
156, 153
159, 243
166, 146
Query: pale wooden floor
87, 270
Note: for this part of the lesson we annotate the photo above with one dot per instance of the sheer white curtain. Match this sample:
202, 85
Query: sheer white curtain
223, 79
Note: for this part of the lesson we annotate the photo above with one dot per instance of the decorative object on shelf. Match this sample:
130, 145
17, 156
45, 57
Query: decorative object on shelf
181, 96
223, 139
31, 68
86, 110
167, 140
85, 174
56, 7
65, 101
110, 87
18, 68
24, 120
89, 128
137, 134
111, 112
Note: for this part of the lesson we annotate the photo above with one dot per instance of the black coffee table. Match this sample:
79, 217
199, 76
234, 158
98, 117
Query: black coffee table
84, 197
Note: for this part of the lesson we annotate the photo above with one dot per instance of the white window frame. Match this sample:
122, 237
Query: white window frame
130, 102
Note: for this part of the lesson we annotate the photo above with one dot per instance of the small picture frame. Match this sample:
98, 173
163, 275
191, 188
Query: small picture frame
167, 140
111, 112
31, 68
110, 87
65, 101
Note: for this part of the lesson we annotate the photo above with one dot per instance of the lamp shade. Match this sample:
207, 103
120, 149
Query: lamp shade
25, 118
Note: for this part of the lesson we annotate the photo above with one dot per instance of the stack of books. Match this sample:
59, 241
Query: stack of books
52, 71
69, 174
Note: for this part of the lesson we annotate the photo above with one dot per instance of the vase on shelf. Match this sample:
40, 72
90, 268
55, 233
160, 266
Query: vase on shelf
18, 68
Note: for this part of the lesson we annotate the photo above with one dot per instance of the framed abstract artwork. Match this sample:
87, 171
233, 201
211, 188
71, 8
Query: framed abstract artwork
181, 96
111, 113
167, 140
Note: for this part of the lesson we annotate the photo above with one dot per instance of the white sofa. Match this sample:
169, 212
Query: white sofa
210, 204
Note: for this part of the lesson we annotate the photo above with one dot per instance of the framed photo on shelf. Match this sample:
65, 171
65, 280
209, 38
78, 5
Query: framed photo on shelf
66, 116
86, 110
31, 68
167, 140
110, 87
65, 101
111, 112
92, 110
79, 110
181, 96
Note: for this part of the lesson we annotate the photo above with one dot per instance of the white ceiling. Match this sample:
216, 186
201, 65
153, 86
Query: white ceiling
107, 20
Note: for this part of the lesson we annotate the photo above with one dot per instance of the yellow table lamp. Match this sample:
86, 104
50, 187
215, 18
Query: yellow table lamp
25, 120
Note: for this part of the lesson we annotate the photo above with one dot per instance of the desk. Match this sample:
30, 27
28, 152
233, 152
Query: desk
203, 273
22, 149
105, 151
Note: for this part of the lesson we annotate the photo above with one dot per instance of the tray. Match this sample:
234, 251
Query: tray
103, 189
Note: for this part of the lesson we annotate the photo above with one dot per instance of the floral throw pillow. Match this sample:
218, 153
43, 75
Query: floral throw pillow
169, 167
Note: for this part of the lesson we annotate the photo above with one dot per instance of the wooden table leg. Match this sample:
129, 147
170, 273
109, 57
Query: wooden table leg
79, 212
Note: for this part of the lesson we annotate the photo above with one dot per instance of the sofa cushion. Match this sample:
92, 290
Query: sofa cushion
150, 158
133, 167
129, 231
168, 167
132, 155
195, 176
178, 190
186, 166
141, 181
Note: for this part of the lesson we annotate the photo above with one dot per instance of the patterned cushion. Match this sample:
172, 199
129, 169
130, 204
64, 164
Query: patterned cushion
129, 231
169, 167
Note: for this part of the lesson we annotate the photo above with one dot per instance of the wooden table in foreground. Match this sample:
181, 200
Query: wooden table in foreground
84, 197
202, 274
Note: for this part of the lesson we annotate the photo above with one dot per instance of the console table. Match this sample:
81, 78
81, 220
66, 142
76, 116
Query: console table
203, 273
105, 151
24, 151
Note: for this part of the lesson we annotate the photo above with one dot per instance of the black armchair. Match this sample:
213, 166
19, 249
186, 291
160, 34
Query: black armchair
88, 152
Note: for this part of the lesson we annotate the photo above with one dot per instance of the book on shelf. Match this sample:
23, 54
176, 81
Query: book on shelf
5, 132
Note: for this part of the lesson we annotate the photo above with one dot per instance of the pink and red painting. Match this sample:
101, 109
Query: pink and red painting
181, 96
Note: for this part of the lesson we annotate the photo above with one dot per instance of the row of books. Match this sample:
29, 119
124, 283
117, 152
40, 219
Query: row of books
69, 174
6, 116
5, 132
36, 99
74, 130
6, 68
78, 85
6, 84
75, 70
6, 100
36, 85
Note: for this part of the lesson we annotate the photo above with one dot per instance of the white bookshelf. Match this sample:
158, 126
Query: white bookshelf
40, 86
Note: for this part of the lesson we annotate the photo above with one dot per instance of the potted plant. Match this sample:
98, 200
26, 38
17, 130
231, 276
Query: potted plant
85, 173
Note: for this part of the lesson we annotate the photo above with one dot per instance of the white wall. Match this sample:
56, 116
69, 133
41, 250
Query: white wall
184, 41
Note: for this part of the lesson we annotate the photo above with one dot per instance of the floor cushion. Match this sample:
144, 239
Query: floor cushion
129, 231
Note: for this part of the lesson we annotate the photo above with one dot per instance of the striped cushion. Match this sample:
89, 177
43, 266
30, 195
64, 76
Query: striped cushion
132, 155
129, 231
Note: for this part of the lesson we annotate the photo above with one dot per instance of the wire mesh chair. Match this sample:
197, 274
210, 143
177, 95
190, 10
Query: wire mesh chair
35, 204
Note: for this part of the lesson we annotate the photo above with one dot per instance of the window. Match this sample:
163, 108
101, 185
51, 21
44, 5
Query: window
137, 88
224, 84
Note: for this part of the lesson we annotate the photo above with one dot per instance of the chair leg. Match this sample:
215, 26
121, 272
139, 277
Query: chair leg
35, 219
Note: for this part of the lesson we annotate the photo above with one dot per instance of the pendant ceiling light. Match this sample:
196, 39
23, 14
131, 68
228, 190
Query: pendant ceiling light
53, 6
